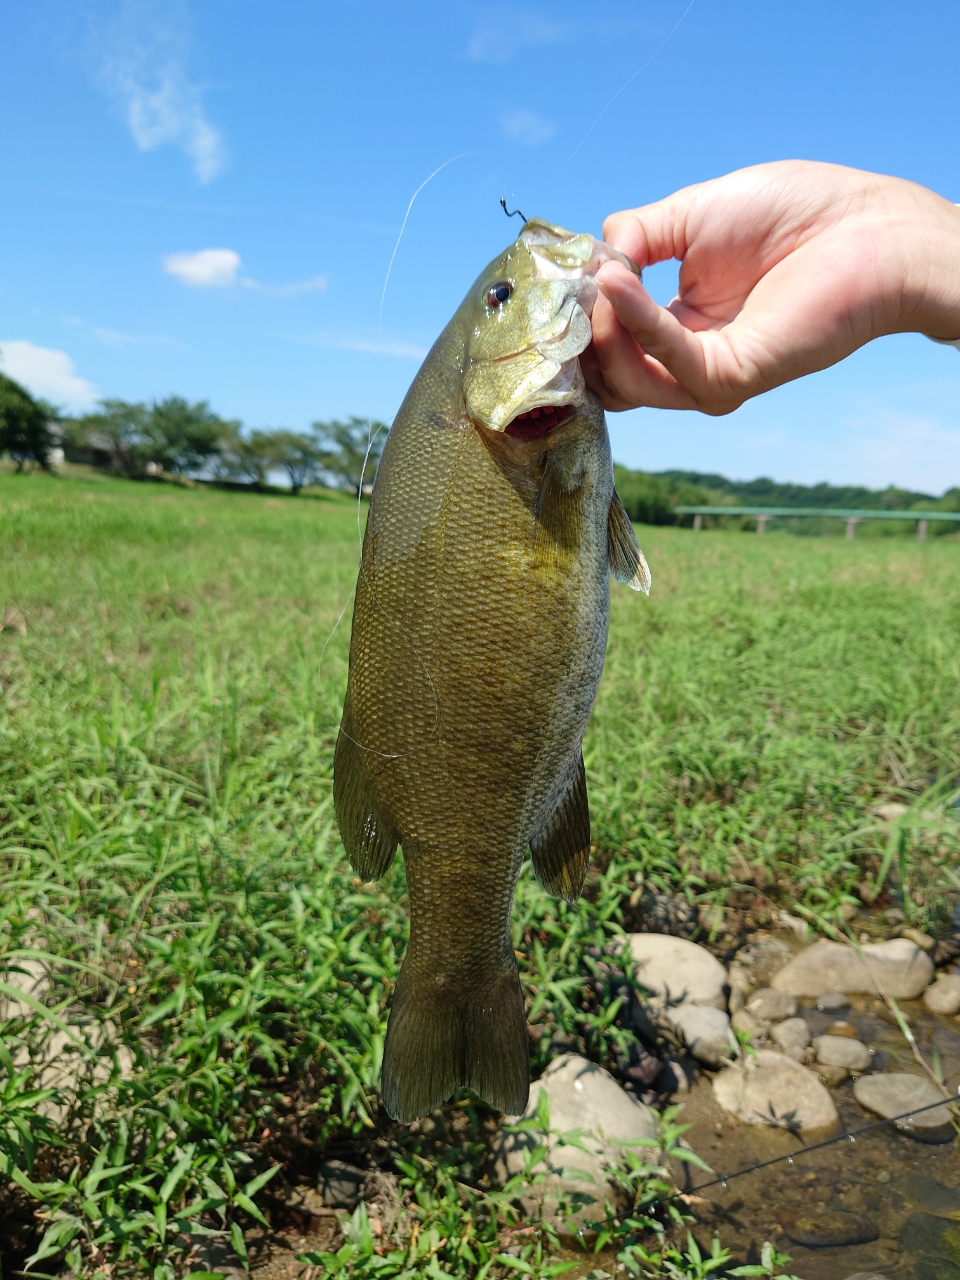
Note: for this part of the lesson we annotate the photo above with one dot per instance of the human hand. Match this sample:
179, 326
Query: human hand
785, 269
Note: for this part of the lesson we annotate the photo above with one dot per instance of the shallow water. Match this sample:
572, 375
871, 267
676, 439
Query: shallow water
904, 1190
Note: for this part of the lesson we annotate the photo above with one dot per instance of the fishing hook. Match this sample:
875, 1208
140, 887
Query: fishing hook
516, 213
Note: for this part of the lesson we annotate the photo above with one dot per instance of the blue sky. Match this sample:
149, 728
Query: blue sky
203, 199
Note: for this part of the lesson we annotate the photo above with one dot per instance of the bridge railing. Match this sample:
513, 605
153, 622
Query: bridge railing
851, 515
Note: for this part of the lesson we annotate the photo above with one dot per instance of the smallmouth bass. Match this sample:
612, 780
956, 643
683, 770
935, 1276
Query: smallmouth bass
479, 630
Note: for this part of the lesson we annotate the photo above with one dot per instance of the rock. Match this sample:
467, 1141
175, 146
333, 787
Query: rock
893, 1094
705, 1032
840, 1051
760, 960
889, 812
798, 927
845, 1029
867, 1275
923, 1234
893, 915
745, 1022
932, 1196
792, 1035
218, 1256
678, 971
771, 1089
831, 1001
828, 1076
27, 974
946, 951
823, 1228
899, 965
770, 1005
340, 1184
923, 940
944, 995
582, 1096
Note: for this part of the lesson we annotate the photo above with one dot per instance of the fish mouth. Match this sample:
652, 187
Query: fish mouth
536, 423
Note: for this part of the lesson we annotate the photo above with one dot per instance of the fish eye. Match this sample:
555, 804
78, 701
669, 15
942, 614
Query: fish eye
498, 294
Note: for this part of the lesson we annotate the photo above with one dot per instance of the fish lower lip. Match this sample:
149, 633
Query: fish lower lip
538, 422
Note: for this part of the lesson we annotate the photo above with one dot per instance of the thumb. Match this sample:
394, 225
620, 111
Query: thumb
657, 331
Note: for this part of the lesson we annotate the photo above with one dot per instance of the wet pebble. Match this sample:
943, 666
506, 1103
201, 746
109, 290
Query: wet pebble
770, 1005
892, 1094
771, 1089
821, 1229
830, 1001
839, 1051
841, 1028
831, 1076
944, 995
792, 1035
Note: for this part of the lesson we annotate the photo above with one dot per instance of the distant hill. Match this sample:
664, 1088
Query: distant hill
651, 496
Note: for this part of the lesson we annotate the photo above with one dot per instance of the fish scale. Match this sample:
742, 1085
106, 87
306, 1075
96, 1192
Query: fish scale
479, 631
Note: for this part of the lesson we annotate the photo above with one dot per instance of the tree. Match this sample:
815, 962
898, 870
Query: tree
297, 454
24, 425
244, 457
344, 447
181, 436
118, 429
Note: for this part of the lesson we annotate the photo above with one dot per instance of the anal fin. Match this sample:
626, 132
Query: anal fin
623, 551
368, 837
561, 849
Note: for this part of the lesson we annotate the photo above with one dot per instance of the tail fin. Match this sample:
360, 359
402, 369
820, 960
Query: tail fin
433, 1049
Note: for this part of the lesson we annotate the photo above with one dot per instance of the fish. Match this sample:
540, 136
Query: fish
479, 631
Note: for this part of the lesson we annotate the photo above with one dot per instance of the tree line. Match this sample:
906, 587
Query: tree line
176, 437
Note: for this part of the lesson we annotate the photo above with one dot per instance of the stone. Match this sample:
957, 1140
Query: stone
923, 940
893, 1094
705, 1032
771, 1089
744, 1022
770, 1005
340, 1184
840, 1051
889, 812
923, 1235
823, 1228
761, 959
893, 915
867, 1275
678, 971
27, 974
944, 995
845, 1029
791, 1035
831, 1001
582, 1096
831, 1077
903, 969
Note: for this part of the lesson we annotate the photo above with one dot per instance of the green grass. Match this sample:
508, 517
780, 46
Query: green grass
221, 980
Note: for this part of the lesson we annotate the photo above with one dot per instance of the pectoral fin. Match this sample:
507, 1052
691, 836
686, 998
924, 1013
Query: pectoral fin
368, 837
559, 513
623, 551
561, 850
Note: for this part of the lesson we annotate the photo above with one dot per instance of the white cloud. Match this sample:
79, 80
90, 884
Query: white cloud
526, 127
217, 268
140, 59
207, 268
47, 373
500, 31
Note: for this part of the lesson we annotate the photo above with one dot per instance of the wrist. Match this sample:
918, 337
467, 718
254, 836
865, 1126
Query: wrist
931, 247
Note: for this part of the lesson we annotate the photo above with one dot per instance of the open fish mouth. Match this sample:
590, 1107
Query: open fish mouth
536, 423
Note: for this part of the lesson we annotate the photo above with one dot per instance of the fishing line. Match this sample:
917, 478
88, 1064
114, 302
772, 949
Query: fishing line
724, 1178
625, 85
516, 212
371, 437
404, 226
